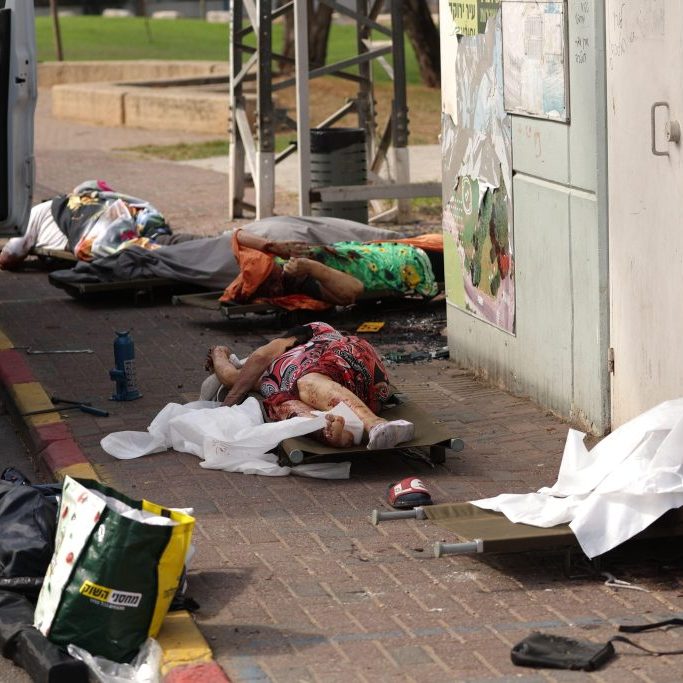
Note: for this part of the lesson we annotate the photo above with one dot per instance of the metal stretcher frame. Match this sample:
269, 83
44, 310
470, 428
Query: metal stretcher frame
434, 437
56, 254
484, 531
137, 286
209, 301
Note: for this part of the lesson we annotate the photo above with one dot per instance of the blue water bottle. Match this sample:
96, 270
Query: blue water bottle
124, 372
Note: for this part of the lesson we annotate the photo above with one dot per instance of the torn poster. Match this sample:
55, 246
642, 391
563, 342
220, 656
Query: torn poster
470, 16
534, 59
477, 179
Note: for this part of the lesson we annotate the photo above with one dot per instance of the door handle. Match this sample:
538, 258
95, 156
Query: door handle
672, 130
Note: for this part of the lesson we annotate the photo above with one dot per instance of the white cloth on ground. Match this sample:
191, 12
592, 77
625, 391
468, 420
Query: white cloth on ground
233, 439
41, 231
615, 490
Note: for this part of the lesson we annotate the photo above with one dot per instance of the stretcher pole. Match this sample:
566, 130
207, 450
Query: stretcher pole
378, 516
464, 548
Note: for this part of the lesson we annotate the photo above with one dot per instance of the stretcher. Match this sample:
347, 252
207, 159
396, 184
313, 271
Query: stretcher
140, 288
61, 255
232, 311
432, 438
484, 531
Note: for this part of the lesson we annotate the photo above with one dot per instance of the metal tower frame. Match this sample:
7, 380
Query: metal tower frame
252, 145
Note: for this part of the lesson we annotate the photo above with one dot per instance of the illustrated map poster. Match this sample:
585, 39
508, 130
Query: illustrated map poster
534, 59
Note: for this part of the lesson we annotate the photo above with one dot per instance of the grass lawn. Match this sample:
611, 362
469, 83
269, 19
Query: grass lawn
86, 38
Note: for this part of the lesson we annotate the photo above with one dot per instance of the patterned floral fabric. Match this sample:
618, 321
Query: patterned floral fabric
347, 360
382, 265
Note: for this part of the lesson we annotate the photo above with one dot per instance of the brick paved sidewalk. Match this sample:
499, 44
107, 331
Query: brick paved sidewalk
293, 581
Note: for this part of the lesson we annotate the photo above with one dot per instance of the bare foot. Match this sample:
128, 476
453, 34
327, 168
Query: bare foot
334, 433
216, 354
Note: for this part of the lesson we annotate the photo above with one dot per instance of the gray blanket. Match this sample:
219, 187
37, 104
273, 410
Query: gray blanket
209, 262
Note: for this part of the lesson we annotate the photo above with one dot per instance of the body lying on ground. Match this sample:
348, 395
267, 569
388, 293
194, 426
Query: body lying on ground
312, 367
209, 262
91, 221
297, 275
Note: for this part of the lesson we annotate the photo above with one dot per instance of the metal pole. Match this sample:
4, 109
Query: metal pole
56, 31
265, 134
378, 516
465, 548
399, 108
366, 119
303, 124
236, 152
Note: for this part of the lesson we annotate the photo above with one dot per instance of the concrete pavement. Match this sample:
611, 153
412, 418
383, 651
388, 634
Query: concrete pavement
293, 581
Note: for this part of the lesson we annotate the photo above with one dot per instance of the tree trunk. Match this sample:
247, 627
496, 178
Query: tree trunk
319, 23
424, 37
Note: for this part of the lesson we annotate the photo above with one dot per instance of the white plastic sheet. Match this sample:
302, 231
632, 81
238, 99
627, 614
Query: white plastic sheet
233, 439
615, 490
143, 669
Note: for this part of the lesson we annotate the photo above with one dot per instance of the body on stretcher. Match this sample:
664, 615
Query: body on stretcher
432, 438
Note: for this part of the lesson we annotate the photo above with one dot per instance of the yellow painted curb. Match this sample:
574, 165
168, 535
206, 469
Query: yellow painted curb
182, 642
5, 342
29, 396
81, 470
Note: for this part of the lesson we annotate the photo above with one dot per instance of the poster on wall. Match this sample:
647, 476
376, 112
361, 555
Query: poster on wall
470, 16
534, 59
477, 176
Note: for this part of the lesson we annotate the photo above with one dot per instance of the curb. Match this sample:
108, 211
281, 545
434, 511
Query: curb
187, 656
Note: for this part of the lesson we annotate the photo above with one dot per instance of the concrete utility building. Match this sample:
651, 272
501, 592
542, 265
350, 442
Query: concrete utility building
561, 158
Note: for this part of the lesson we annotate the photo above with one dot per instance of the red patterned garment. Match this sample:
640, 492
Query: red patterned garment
347, 360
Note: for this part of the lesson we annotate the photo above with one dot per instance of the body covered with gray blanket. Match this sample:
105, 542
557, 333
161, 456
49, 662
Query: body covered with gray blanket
209, 262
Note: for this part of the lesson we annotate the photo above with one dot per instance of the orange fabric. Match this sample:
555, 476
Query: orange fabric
430, 242
294, 302
255, 267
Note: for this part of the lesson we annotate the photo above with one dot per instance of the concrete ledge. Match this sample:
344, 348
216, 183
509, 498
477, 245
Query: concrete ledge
98, 103
133, 100
209, 672
182, 642
57, 73
176, 109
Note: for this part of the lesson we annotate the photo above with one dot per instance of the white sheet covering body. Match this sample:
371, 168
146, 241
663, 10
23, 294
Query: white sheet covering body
233, 439
615, 490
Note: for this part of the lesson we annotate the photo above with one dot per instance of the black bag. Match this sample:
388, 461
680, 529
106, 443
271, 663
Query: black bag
542, 650
28, 521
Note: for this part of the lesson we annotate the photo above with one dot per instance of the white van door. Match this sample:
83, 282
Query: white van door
18, 102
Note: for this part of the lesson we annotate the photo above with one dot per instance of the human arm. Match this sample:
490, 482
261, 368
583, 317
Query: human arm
255, 366
336, 287
284, 249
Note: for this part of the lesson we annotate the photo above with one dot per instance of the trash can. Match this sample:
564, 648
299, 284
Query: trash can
338, 158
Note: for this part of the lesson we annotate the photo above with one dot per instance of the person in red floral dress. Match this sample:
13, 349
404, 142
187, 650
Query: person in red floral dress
315, 367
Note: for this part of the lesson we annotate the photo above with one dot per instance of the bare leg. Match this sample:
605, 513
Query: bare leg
336, 287
323, 393
333, 433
